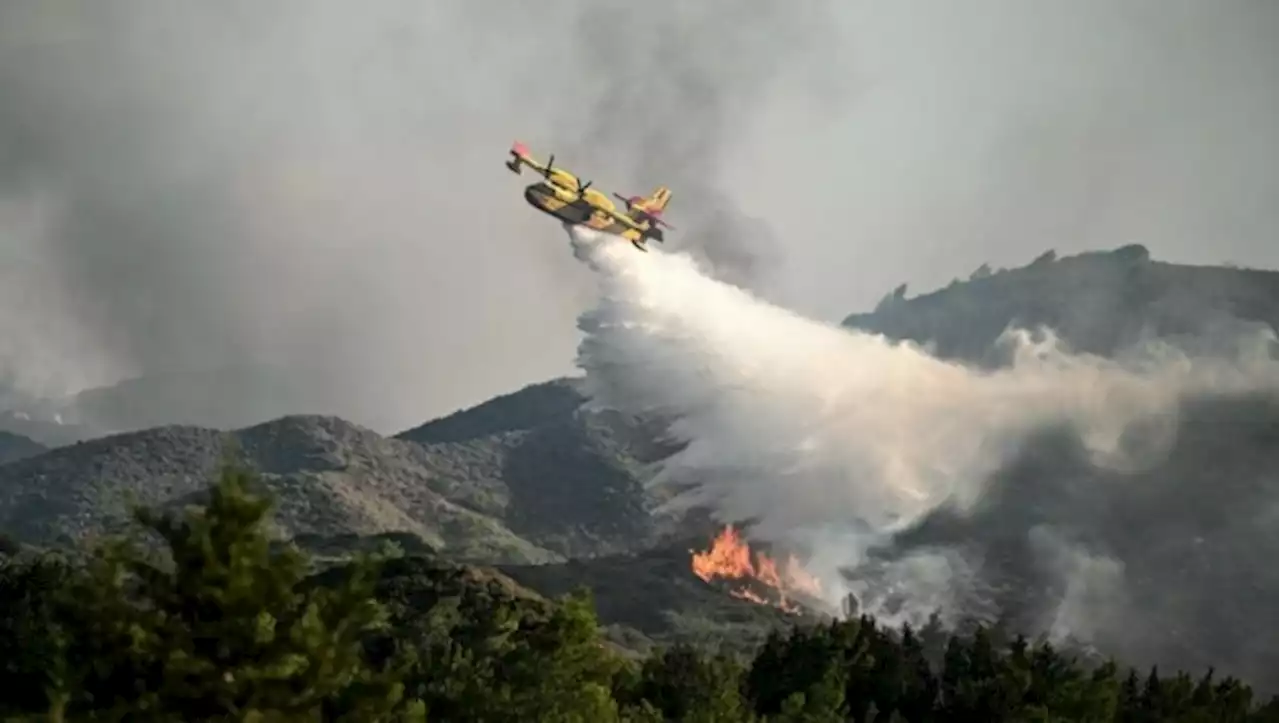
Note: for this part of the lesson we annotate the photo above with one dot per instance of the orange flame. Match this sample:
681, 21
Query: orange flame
731, 558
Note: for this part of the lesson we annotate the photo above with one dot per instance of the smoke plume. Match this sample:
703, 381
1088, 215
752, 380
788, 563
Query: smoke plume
848, 443
212, 198
680, 94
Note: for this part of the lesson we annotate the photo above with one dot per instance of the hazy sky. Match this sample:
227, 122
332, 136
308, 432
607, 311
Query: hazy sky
318, 185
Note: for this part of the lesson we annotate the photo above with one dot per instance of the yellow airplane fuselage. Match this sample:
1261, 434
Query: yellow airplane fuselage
581, 210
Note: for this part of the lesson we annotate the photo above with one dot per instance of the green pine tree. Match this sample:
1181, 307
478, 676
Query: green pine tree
217, 624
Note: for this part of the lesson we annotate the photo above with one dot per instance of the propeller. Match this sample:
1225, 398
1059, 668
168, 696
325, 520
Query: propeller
583, 187
546, 172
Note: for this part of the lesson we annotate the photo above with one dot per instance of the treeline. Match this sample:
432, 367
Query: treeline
216, 622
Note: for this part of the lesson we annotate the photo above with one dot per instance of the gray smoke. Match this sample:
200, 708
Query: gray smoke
220, 196
682, 89
216, 195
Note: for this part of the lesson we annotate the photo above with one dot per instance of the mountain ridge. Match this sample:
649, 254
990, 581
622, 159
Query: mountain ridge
330, 476
1098, 302
16, 446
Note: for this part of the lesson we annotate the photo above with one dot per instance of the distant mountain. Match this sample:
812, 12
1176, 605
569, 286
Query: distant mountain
222, 398
330, 476
43, 429
524, 477
1098, 302
16, 446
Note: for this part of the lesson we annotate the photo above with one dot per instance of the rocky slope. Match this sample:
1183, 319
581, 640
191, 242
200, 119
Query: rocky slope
563, 476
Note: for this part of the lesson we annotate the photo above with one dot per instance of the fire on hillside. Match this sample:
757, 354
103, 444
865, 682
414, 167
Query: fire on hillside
753, 575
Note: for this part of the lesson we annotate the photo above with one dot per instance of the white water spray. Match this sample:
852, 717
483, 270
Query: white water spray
822, 432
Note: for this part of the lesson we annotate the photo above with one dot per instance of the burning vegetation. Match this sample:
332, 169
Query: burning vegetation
752, 575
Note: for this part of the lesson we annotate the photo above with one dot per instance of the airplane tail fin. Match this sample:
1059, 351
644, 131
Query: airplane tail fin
658, 200
650, 207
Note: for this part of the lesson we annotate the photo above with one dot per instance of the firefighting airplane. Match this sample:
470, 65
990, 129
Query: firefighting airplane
562, 195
